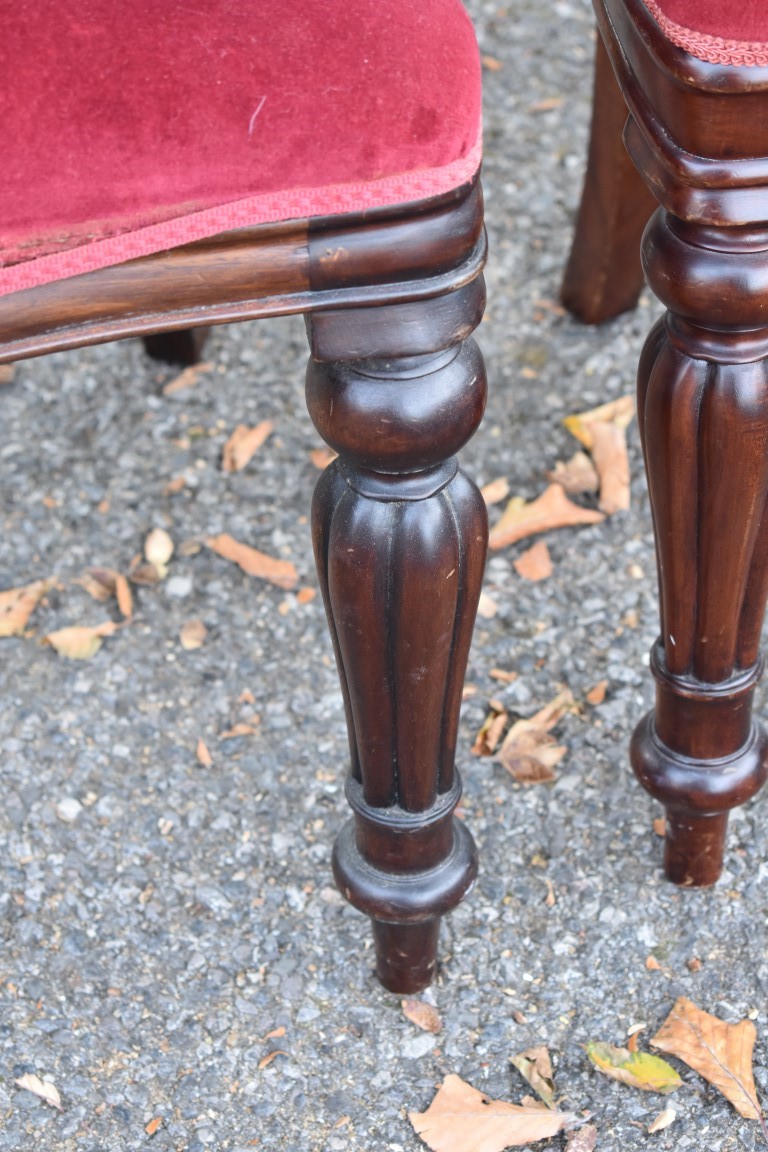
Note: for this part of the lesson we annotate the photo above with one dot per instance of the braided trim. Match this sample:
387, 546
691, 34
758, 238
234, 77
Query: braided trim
713, 49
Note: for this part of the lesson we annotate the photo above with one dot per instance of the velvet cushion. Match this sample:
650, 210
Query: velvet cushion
720, 31
130, 128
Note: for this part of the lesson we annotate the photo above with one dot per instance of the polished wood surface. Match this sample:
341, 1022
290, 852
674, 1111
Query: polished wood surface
703, 411
396, 386
604, 275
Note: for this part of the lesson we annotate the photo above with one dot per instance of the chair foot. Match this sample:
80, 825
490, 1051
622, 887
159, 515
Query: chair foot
604, 277
181, 347
400, 538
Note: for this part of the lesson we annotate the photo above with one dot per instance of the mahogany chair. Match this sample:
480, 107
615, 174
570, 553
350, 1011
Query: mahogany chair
263, 157
693, 76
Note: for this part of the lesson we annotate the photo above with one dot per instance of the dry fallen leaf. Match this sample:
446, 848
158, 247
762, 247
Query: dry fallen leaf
42, 1088
583, 1140
535, 1066
305, 595
6, 373
491, 63
577, 475
243, 444
153, 1125
720, 1052
124, 596
487, 739
423, 1015
192, 635
535, 563
652, 964
158, 549
175, 485
461, 1118
267, 1060
495, 492
638, 1069
487, 606
18, 604
660, 826
322, 457
100, 583
547, 105
529, 753
503, 675
241, 729
79, 642
186, 378
255, 563
203, 755
596, 695
552, 509
603, 432
662, 1121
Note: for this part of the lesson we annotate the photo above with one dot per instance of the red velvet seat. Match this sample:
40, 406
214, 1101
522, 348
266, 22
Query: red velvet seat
719, 31
128, 131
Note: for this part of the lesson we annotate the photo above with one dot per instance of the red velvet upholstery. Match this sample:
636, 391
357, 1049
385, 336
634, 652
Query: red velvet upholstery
130, 128
721, 31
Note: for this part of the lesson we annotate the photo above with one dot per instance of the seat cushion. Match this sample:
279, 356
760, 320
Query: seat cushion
126, 130
720, 31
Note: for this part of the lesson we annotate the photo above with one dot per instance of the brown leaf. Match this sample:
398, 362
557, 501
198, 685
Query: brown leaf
578, 475
637, 1069
603, 432
241, 729
720, 1052
243, 444
100, 583
529, 753
547, 105
203, 755
652, 964
552, 509
487, 739
662, 1121
596, 695
143, 574
535, 563
495, 492
153, 1125
79, 642
582, 1140
305, 595
267, 1060
6, 373
18, 604
504, 676
491, 63
660, 826
192, 635
423, 1015
124, 596
535, 1066
255, 563
175, 485
322, 457
42, 1088
460, 1118
487, 606
186, 378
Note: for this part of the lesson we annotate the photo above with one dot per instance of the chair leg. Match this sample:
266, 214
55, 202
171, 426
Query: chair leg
603, 277
400, 539
181, 347
703, 405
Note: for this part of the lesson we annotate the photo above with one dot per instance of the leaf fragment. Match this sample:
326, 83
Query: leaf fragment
203, 755
322, 457
243, 444
487, 606
42, 1088
124, 596
535, 1066
254, 563
529, 753
582, 1139
79, 642
158, 549
187, 378
552, 509
487, 739
241, 729
461, 1118
662, 1121
18, 604
577, 475
637, 1069
495, 491
422, 1014
153, 1125
596, 695
603, 432
192, 635
535, 563
718, 1051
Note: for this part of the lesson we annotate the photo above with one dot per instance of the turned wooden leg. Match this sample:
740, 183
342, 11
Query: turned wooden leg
703, 406
182, 347
604, 276
400, 539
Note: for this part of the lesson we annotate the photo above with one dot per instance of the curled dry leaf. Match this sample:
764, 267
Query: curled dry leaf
720, 1052
158, 549
638, 1069
203, 755
535, 1066
192, 635
529, 753
535, 563
18, 604
243, 444
577, 476
255, 563
552, 509
187, 378
495, 492
79, 642
662, 1121
582, 1139
42, 1088
487, 739
423, 1015
603, 432
460, 1118
100, 583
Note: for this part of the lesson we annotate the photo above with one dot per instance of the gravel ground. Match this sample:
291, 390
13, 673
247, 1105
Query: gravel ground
166, 924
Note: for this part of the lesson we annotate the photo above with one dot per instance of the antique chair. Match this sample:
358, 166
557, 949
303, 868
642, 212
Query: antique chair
263, 157
694, 79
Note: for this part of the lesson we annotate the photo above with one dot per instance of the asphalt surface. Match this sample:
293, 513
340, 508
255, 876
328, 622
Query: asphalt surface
168, 924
